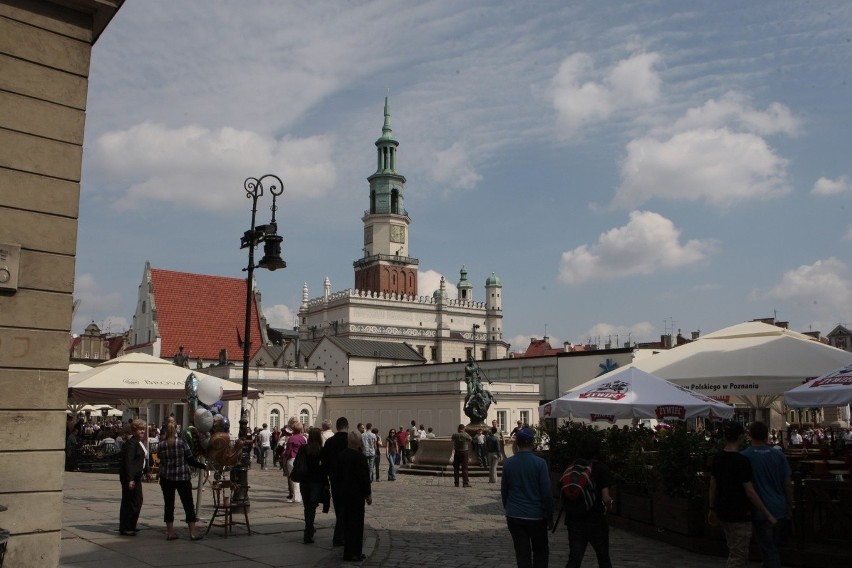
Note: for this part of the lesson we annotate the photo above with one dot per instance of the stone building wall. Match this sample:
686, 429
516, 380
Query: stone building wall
45, 50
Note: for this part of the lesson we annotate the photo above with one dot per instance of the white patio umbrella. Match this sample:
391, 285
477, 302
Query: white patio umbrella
632, 393
137, 379
752, 358
831, 389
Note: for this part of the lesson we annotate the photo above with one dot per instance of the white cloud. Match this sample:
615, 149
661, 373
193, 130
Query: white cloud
429, 281
632, 82
96, 305
733, 110
280, 316
453, 167
648, 243
198, 167
618, 335
826, 186
715, 165
822, 287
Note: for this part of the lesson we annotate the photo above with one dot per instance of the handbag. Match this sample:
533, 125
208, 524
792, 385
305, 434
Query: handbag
300, 466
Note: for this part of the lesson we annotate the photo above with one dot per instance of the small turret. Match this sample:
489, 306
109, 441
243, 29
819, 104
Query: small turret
465, 287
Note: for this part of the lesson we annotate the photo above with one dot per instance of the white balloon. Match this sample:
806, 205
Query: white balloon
210, 390
203, 420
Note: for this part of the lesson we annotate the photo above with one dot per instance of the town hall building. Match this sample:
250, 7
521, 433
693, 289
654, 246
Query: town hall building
385, 303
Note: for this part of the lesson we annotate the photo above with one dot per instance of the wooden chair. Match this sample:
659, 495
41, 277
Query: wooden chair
228, 498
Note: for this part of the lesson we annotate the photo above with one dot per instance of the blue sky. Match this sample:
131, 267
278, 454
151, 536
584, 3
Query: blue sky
626, 168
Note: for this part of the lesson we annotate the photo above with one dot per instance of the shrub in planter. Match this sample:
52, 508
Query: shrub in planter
680, 488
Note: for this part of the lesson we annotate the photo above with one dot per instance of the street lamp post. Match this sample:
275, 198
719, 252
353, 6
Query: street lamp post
268, 235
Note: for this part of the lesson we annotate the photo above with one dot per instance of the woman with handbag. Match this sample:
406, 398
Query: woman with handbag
392, 453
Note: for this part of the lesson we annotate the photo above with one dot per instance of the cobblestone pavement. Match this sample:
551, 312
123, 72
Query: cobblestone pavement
414, 521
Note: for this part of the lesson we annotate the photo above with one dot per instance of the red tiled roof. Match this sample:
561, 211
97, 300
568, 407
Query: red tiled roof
539, 347
202, 313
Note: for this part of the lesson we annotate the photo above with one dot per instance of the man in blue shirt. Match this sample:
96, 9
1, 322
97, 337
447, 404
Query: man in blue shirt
525, 489
772, 481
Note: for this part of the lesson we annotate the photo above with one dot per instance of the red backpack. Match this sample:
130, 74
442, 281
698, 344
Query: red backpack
578, 487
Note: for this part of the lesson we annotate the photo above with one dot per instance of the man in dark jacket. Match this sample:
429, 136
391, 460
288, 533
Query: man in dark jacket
330, 457
133, 465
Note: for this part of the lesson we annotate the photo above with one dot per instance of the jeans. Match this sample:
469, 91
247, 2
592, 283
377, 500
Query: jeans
582, 532
738, 537
493, 458
371, 462
768, 539
264, 456
391, 467
378, 461
530, 539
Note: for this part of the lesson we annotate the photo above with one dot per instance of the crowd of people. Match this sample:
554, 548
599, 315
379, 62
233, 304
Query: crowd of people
750, 491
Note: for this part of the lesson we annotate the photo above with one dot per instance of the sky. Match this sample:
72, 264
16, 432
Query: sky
628, 169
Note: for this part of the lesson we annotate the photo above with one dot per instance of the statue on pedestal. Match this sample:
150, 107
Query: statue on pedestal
478, 398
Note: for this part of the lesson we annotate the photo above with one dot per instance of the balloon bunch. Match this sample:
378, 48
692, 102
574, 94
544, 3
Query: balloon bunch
210, 437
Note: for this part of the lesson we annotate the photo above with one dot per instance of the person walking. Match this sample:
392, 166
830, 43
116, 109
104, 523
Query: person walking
392, 452
368, 446
413, 439
480, 448
404, 448
294, 443
273, 445
134, 463
774, 485
354, 474
378, 457
326, 430
492, 452
526, 494
589, 527
461, 455
330, 457
311, 484
732, 495
175, 459
264, 441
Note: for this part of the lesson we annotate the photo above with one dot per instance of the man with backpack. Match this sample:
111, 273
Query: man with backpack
525, 490
584, 490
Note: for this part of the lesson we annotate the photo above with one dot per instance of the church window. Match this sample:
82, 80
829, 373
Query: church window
433, 354
468, 352
395, 201
420, 348
274, 419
